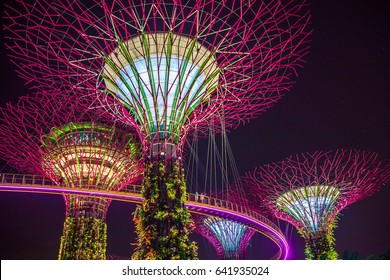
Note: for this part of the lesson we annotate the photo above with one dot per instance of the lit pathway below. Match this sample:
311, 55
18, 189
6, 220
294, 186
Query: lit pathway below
207, 206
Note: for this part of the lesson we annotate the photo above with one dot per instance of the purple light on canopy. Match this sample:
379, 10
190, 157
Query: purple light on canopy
309, 191
234, 60
57, 136
175, 65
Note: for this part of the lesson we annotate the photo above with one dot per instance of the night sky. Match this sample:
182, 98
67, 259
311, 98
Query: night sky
340, 100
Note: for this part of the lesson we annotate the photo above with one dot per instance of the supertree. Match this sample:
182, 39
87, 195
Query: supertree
230, 239
176, 66
309, 191
57, 136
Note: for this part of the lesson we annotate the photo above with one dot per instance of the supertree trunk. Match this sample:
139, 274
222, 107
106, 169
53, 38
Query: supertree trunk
162, 221
84, 235
321, 247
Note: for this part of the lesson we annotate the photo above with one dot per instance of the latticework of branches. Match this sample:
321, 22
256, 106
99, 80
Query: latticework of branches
56, 135
256, 45
309, 190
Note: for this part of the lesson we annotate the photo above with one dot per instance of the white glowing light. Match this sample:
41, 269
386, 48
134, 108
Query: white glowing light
161, 78
310, 209
229, 233
167, 96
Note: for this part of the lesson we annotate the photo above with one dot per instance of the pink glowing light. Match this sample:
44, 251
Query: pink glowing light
309, 190
256, 45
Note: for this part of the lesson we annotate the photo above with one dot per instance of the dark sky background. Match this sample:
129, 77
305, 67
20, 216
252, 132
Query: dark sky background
340, 100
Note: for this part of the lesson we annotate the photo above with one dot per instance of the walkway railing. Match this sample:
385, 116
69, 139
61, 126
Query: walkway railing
38, 180
25, 179
193, 200
225, 204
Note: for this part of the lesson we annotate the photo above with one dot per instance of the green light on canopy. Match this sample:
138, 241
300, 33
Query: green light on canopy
161, 78
89, 154
57, 132
309, 205
87, 134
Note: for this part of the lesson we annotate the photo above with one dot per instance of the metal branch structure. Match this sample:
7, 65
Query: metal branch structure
310, 190
230, 239
58, 137
175, 66
132, 193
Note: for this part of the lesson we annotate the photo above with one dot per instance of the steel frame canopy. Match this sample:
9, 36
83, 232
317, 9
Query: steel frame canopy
175, 65
309, 191
57, 136
229, 238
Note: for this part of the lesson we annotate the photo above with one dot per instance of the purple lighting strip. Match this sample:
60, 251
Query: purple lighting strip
262, 228
309, 190
274, 235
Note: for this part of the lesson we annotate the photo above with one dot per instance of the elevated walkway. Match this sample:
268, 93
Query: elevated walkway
199, 204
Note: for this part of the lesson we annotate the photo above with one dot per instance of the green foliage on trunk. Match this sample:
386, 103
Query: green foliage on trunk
162, 221
321, 247
83, 238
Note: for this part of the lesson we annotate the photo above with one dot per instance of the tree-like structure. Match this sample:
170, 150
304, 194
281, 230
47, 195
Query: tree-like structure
57, 136
310, 190
230, 239
175, 66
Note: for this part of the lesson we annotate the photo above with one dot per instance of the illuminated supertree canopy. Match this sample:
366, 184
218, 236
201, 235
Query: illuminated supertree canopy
310, 190
229, 238
176, 66
58, 137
